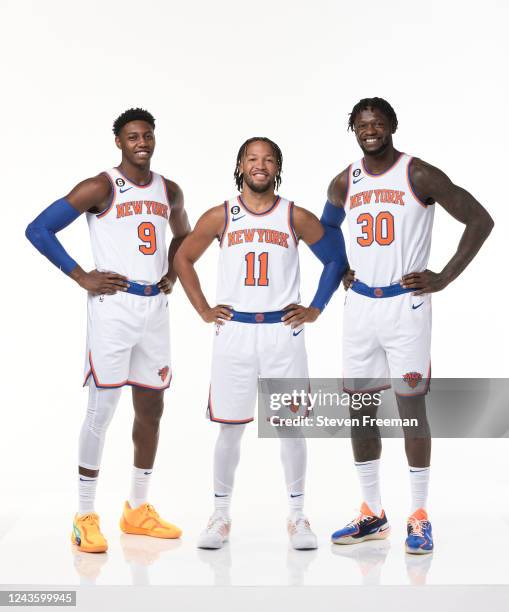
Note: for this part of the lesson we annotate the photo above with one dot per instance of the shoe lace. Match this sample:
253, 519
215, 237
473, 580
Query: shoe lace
151, 511
360, 519
417, 526
90, 519
302, 525
215, 524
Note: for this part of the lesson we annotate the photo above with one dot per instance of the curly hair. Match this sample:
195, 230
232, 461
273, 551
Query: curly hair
133, 114
239, 177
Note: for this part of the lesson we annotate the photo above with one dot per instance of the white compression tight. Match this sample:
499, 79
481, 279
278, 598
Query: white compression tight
100, 410
226, 459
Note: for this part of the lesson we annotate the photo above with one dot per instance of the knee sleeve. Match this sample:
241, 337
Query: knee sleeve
293, 458
226, 457
100, 410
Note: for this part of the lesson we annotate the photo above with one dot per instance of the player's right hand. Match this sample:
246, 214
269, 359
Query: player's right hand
218, 314
348, 279
102, 283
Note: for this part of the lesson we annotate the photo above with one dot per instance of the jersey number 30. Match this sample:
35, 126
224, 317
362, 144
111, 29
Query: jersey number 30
380, 228
263, 261
147, 234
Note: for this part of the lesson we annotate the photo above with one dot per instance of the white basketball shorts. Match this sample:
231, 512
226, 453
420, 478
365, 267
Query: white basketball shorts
387, 338
128, 341
242, 353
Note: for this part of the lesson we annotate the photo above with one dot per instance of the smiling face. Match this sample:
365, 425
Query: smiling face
137, 142
373, 131
259, 167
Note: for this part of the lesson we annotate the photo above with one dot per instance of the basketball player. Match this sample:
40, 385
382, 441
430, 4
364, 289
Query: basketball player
259, 324
128, 209
388, 198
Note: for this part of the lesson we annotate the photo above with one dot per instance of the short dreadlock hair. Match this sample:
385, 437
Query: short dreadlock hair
133, 114
380, 104
239, 178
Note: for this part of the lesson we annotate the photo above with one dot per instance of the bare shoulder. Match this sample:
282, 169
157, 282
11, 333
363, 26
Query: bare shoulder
92, 194
213, 220
428, 181
175, 193
338, 188
302, 215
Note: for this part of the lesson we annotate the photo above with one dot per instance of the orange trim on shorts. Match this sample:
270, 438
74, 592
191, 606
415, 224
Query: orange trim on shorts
105, 212
213, 419
128, 382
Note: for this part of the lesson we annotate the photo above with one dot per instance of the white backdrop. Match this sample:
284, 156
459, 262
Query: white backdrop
214, 74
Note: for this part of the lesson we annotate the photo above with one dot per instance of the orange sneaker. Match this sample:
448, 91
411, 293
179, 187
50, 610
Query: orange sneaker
144, 520
86, 533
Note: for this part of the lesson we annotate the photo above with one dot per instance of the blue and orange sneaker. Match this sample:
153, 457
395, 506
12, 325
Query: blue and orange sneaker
419, 540
367, 526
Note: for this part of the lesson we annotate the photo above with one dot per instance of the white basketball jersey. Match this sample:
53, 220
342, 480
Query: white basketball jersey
129, 237
258, 261
390, 228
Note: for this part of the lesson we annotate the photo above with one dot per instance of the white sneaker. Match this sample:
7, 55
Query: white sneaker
301, 536
217, 532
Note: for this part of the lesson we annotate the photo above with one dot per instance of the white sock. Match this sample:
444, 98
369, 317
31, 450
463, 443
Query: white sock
226, 459
419, 482
293, 458
86, 494
369, 479
140, 481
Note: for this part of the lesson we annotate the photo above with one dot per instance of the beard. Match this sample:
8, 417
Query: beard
376, 152
259, 187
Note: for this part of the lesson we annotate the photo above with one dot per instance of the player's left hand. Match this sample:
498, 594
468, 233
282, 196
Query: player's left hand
424, 282
165, 285
298, 315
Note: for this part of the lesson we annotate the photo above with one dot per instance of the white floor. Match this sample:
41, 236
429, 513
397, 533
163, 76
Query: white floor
470, 550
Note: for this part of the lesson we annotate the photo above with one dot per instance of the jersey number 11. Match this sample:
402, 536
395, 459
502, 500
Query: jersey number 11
263, 261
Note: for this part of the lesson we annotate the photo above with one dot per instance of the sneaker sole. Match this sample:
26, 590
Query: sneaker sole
379, 535
132, 530
417, 551
203, 547
89, 549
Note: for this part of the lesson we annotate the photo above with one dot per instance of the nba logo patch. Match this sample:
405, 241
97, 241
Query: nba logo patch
412, 379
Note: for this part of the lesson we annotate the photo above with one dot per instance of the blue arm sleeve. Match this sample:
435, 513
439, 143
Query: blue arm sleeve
330, 250
332, 216
41, 233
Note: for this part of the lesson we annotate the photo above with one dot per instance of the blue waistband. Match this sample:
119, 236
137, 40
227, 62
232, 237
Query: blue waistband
258, 317
145, 290
379, 292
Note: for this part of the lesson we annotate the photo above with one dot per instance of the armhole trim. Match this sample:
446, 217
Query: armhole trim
290, 222
410, 186
226, 222
112, 198
347, 192
165, 188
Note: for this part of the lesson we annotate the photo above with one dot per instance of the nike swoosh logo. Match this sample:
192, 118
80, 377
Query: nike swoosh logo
297, 333
298, 495
357, 180
237, 218
147, 473
87, 480
418, 306
126, 189
216, 495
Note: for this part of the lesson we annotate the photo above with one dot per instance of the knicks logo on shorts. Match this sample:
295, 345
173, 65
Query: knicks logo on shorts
412, 379
163, 373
